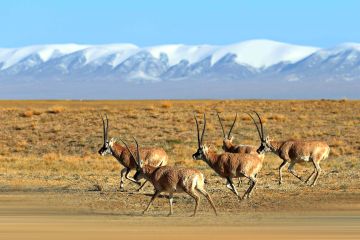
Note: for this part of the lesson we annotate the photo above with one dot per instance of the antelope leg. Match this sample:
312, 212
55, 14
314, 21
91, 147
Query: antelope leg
231, 186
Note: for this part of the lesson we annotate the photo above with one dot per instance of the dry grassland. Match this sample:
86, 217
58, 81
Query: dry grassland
48, 154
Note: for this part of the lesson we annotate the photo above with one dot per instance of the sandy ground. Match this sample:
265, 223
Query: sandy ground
53, 215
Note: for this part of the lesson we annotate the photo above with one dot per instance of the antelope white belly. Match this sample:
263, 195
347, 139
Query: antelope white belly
305, 158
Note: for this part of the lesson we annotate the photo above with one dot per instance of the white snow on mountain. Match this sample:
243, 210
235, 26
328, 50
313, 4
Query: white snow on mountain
250, 69
341, 48
99, 54
255, 53
10, 57
264, 53
179, 52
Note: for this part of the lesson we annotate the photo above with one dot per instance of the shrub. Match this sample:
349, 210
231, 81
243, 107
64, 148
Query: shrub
27, 114
56, 109
36, 112
166, 104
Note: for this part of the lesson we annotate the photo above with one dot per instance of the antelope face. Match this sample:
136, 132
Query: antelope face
202, 149
139, 163
200, 153
139, 174
228, 139
262, 148
265, 146
227, 143
105, 149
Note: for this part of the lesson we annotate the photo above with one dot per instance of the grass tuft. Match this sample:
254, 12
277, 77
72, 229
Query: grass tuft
166, 104
56, 109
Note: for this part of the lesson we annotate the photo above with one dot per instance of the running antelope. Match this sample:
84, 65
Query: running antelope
171, 180
152, 156
229, 146
294, 151
229, 165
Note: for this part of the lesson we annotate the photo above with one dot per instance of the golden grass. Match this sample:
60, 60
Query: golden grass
277, 117
63, 144
74, 127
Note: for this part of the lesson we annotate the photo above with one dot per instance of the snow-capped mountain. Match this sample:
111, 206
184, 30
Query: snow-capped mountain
259, 63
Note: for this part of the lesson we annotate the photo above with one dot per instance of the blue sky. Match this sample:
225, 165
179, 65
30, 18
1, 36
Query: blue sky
322, 23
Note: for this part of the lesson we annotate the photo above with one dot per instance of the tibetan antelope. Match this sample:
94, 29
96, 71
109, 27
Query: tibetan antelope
229, 146
229, 165
152, 156
171, 180
294, 151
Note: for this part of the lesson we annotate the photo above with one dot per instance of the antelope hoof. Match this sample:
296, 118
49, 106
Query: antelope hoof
193, 215
169, 214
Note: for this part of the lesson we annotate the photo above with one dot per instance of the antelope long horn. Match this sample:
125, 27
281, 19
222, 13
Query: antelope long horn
222, 127
202, 134
127, 147
197, 129
232, 126
104, 129
107, 126
262, 127
257, 127
138, 152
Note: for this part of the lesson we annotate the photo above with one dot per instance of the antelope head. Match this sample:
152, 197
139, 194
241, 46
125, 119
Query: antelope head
105, 149
227, 141
265, 145
202, 149
139, 163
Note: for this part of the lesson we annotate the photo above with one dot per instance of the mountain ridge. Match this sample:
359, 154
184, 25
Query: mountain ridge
255, 62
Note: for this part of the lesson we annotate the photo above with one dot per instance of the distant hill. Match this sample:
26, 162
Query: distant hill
250, 69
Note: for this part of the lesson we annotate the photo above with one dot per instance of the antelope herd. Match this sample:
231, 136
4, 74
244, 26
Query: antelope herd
237, 161
152, 156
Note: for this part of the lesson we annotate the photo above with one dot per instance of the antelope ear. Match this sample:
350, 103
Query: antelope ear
267, 139
231, 139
